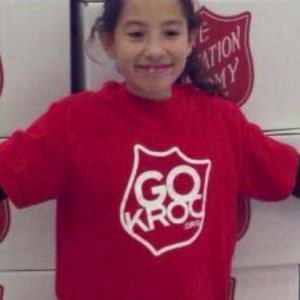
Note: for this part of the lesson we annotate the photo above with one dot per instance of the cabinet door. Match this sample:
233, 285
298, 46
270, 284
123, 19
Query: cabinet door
266, 283
35, 56
27, 286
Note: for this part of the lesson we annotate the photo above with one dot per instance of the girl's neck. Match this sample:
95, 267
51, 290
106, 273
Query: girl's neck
159, 97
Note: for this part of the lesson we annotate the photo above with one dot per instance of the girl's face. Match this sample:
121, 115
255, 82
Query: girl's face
150, 46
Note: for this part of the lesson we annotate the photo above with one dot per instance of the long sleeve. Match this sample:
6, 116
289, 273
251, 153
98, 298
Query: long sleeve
32, 162
269, 167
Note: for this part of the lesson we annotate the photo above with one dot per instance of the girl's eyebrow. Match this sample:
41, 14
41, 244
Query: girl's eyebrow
134, 23
173, 22
140, 23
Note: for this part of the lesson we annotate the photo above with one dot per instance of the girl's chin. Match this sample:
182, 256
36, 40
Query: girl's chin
151, 92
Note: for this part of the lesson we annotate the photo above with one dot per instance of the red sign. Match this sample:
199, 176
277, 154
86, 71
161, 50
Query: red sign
243, 216
232, 288
224, 50
1, 77
4, 219
1, 292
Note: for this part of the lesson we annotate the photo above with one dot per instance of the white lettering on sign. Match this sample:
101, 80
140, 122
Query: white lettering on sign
227, 75
157, 210
220, 51
164, 203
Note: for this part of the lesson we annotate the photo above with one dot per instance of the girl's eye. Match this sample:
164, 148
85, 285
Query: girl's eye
172, 33
135, 34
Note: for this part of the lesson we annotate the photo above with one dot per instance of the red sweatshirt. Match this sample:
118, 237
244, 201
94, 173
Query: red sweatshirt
146, 190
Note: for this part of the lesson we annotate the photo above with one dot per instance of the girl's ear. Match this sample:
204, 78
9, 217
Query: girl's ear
107, 43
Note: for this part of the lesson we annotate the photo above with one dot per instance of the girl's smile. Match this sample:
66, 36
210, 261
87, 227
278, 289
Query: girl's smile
150, 46
156, 71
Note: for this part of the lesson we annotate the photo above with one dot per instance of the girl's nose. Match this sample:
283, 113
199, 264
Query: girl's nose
155, 49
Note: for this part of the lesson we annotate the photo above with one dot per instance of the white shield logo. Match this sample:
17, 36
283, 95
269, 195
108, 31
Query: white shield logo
164, 203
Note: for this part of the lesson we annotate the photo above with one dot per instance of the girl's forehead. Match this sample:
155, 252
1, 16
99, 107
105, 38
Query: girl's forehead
152, 10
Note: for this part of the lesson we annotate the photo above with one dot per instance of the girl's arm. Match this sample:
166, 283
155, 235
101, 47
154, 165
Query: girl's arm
296, 190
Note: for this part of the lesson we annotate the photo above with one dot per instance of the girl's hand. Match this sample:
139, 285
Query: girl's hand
2, 194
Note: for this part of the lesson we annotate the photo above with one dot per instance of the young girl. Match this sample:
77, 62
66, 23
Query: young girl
146, 173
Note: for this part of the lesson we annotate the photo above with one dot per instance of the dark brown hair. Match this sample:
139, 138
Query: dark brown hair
193, 71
